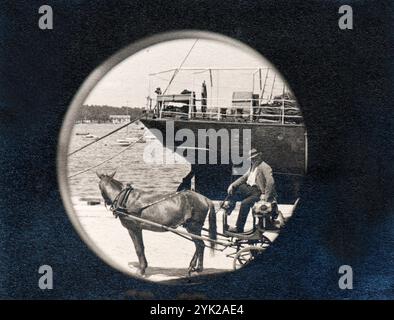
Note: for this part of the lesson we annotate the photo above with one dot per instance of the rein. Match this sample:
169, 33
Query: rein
225, 199
160, 200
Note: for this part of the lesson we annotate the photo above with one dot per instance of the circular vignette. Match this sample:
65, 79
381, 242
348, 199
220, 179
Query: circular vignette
88, 85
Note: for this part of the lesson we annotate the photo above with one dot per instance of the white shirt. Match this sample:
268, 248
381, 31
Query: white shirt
252, 177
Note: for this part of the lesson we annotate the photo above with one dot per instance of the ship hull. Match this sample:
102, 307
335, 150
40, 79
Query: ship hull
284, 148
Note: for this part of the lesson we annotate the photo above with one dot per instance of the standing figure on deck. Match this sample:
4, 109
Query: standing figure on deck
203, 99
158, 103
256, 184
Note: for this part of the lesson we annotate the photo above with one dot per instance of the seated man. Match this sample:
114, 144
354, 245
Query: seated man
258, 183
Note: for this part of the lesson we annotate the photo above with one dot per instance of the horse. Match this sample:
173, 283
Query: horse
186, 208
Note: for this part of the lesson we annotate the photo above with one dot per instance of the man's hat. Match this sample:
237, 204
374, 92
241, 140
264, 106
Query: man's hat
253, 154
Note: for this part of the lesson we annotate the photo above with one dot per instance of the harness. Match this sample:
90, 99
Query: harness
118, 206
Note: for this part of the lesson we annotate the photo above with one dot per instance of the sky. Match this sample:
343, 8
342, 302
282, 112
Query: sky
129, 83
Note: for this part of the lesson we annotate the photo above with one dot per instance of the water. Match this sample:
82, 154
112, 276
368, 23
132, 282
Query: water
129, 166
168, 254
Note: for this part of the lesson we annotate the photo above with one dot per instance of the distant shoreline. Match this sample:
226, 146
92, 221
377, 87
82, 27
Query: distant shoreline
103, 113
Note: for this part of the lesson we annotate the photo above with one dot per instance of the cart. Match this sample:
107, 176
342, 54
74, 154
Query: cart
246, 246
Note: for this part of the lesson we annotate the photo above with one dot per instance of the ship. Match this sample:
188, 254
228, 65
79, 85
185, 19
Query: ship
261, 110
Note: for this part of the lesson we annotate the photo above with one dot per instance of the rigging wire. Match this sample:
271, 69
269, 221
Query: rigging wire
106, 160
180, 66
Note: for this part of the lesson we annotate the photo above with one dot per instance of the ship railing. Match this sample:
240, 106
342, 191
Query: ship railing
213, 115
261, 117
247, 109
277, 113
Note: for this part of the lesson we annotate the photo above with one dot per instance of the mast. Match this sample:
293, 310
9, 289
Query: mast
265, 82
272, 89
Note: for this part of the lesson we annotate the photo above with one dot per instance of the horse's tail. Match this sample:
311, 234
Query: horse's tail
212, 224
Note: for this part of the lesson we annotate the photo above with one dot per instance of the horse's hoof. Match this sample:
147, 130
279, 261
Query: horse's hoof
190, 271
197, 270
141, 273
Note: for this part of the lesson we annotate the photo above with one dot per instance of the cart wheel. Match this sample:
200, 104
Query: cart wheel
265, 241
245, 255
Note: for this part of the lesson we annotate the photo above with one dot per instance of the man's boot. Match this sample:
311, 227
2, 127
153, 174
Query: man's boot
241, 220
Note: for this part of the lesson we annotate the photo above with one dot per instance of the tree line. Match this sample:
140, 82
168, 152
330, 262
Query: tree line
97, 113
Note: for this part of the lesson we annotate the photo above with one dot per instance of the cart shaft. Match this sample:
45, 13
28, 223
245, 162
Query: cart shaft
179, 232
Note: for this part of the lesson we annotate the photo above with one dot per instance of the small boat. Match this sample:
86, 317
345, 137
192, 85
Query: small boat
149, 136
82, 133
124, 142
90, 136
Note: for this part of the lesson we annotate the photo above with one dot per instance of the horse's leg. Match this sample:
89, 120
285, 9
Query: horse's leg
193, 262
201, 247
198, 256
136, 236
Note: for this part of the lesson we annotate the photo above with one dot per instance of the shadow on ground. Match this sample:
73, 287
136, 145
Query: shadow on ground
173, 275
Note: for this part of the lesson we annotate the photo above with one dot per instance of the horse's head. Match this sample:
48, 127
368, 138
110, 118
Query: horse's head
109, 187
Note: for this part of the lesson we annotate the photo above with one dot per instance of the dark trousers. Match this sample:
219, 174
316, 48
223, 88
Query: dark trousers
203, 110
248, 196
